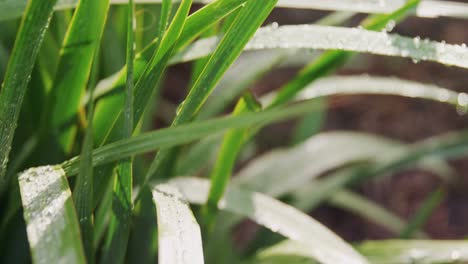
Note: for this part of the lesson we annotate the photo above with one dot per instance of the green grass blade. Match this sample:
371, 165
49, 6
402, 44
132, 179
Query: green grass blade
119, 227
83, 193
170, 137
244, 72
17, 76
179, 234
230, 147
278, 217
76, 59
52, 225
250, 17
415, 251
423, 213
143, 90
370, 210
194, 26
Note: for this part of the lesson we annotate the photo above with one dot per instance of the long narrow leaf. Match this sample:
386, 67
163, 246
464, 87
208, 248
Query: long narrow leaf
380, 252
17, 76
194, 26
179, 234
239, 33
415, 251
119, 227
169, 137
52, 225
338, 38
313, 158
77, 54
278, 217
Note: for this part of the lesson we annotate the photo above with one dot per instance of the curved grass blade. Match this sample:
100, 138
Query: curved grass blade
122, 206
76, 59
423, 213
17, 76
424, 151
317, 156
415, 251
325, 246
337, 38
313, 158
179, 234
170, 137
52, 225
370, 210
250, 17
379, 252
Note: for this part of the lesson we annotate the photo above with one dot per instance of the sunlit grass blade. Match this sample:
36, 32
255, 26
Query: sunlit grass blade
122, 206
52, 224
76, 59
278, 217
422, 215
415, 251
20, 65
179, 234
249, 19
378, 252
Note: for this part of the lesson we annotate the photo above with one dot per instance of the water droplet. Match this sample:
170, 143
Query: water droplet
462, 103
417, 42
455, 255
390, 26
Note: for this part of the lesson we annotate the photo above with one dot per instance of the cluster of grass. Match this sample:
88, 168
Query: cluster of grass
81, 82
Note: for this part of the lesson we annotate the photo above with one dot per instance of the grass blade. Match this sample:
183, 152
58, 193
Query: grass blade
17, 76
194, 26
379, 252
278, 217
119, 226
329, 151
179, 234
171, 137
52, 225
83, 193
415, 251
370, 210
76, 59
230, 147
242, 29
423, 213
